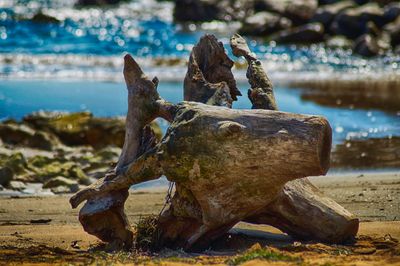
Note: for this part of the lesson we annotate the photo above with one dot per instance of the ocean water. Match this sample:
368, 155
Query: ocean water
18, 98
88, 43
76, 64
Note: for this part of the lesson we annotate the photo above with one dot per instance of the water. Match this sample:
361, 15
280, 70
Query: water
17, 98
89, 43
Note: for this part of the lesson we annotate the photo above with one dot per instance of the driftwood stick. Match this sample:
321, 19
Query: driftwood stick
143, 169
261, 93
144, 105
103, 214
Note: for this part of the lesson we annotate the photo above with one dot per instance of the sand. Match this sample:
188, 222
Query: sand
46, 230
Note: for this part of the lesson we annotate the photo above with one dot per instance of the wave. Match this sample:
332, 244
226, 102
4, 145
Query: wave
173, 69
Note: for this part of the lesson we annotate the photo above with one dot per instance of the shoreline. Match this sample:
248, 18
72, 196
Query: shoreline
343, 188
49, 229
108, 68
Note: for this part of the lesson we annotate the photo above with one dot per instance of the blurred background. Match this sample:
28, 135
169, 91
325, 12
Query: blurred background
340, 59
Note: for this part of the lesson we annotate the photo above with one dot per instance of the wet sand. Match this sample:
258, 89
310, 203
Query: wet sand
46, 229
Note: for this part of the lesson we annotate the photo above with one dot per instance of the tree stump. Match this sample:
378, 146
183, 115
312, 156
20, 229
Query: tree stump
228, 165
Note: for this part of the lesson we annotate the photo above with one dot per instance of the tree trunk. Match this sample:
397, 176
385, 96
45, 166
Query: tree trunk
237, 162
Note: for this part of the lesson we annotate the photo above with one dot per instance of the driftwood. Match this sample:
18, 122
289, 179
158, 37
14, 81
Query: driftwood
300, 209
209, 78
228, 165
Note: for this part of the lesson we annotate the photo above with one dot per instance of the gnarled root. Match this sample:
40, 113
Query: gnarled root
104, 217
103, 214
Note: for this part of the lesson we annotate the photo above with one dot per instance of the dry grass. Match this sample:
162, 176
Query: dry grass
146, 234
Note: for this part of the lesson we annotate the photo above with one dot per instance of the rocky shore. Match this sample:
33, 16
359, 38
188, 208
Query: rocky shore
369, 28
49, 152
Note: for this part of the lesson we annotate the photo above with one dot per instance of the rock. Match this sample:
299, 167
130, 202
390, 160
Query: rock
339, 42
40, 161
352, 22
16, 185
6, 175
372, 43
393, 29
366, 45
10, 121
44, 130
22, 135
16, 162
109, 154
79, 128
391, 12
327, 2
208, 10
309, 33
264, 23
76, 172
196, 10
56, 168
299, 11
60, 181
326, 14
84, 3
62, 190
41, 17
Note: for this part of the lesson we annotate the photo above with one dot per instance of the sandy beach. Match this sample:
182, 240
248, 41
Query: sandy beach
46, 229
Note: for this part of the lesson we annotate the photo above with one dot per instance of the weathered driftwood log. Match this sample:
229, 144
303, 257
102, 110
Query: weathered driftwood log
234, 165
228, 165
301, 209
